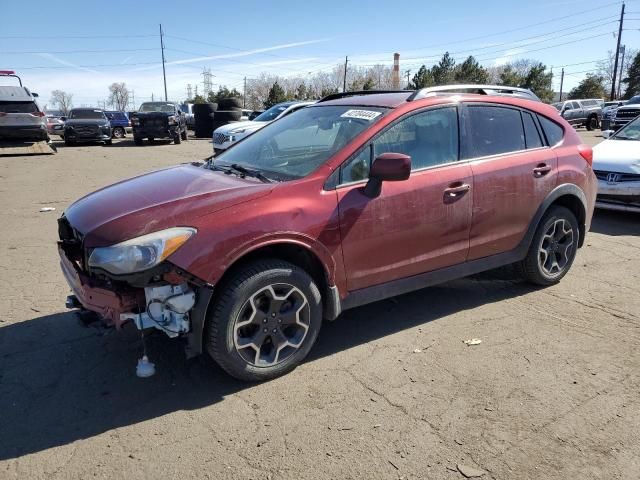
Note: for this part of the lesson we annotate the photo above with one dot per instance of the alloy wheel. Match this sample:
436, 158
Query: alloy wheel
556, 248
272, 325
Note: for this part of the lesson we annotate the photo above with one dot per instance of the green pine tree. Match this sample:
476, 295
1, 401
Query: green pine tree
276, 95
633, 78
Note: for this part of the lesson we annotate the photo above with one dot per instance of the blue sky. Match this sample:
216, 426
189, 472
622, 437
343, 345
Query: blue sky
245, 38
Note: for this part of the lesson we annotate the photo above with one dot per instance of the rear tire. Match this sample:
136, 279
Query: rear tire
265, 320
592, 123
137, 141
118, 132
69, 143
177, 139
553, 248
185, 135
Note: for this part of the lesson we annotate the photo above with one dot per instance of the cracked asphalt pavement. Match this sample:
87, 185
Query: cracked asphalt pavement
390, 390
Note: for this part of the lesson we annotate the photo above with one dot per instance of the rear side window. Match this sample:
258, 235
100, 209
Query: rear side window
18, 107
531, 134
552, 130
494, 130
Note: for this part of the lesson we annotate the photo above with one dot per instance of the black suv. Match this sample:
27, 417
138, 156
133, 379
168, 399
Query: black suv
159, 120
87, 125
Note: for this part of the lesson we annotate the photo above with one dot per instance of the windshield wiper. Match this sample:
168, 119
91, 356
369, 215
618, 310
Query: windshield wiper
620, 137
250, 172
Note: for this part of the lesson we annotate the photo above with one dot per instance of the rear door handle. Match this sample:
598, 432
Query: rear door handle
541, 170
456, 191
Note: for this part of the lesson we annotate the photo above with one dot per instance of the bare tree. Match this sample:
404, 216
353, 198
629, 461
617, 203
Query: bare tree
62, 100
119, 96
605, 67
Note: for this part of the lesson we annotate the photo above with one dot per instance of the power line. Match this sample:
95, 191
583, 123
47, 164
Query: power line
84, 51
29, 37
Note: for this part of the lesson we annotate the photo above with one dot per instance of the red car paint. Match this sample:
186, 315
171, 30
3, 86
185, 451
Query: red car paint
411, 228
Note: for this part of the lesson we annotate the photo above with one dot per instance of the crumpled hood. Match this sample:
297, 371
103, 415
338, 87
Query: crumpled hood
621, 156
248, 125
173, 197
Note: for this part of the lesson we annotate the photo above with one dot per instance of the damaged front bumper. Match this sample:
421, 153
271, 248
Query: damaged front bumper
172, 305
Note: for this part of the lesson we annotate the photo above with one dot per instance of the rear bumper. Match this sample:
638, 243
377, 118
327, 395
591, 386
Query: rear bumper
23, 132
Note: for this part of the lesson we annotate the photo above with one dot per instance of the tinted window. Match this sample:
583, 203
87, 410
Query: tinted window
575, 105
494, 130
532, 136
552, 130
18, 107
429, 138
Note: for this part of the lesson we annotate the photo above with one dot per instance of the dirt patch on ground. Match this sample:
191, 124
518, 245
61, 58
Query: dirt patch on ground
390, 390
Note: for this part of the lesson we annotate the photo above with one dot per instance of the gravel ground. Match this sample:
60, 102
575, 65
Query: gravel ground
389, 391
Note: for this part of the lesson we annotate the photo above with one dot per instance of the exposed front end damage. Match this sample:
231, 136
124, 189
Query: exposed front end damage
164, 298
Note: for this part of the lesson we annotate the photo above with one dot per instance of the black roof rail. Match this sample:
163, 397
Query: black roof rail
335, 96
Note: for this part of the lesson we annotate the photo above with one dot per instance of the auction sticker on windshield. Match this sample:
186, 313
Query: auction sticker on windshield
361, 114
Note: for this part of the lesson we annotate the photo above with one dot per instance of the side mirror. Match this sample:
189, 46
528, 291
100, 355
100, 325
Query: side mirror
34, 94
607, 133
388, 167
64, 119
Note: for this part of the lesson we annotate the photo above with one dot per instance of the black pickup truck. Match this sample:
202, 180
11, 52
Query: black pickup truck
159, 120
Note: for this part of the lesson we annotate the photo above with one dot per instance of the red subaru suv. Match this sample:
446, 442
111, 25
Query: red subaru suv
354, 199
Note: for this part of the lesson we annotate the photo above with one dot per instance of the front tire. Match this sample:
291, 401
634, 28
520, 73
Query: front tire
265, 320
553, 248
137, 140
177, 139
185, 135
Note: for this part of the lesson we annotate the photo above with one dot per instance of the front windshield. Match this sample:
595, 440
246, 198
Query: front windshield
157, 107
634, 100
87, 114
631, 131
299, 143
271, 114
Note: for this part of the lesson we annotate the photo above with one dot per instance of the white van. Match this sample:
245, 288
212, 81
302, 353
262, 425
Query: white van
20, 117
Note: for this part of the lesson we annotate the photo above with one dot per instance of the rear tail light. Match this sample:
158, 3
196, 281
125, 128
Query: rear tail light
37, 114
586, 152
2, 114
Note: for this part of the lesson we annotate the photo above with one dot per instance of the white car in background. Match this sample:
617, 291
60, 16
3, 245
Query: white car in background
227, 135
616, 163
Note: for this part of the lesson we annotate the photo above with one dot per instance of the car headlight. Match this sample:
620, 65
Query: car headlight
172, 120
240, 130
140, 253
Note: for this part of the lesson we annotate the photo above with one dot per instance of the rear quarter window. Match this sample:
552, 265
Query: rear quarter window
553, 131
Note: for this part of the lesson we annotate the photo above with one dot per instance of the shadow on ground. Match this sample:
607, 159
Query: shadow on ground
61, 382
611, 222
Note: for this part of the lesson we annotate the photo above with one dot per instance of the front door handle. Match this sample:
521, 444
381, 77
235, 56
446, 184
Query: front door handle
455, 191
541, 170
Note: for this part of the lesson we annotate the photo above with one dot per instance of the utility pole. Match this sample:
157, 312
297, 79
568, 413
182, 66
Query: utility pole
164, 74
407, 73
152, 96
615, 65
133, 100
344, 81
244, 94
623, 48
561, 83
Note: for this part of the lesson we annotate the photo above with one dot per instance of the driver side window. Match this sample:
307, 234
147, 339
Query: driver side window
430, 138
